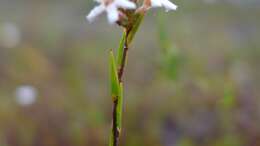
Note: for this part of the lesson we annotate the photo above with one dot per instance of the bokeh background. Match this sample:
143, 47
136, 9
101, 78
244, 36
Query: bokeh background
192, 77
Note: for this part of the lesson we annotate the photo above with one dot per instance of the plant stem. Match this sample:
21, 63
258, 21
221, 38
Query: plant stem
115, 128
121, 62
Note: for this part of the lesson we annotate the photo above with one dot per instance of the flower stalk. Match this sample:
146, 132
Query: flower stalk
128, 15
118, 71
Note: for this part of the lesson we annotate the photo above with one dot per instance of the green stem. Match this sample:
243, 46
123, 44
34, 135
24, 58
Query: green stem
127, 38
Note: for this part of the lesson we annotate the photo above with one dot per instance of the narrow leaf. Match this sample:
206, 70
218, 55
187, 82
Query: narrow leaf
120, 50
119, 109
114, 82
138, 20
111, 139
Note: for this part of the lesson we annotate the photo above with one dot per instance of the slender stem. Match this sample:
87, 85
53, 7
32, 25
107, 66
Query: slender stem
122, 66
115, 129
121, 62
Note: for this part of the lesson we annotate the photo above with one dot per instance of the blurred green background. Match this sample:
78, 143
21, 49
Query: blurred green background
192, 77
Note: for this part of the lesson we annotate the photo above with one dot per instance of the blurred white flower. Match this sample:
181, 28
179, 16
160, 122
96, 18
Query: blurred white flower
10, 35
111, 8
26, 95
168, 5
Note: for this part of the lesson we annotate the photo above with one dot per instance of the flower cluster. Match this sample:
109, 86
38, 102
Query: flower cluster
118, 9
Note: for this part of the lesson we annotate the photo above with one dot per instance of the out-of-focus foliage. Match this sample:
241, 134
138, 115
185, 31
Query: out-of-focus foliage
192, 77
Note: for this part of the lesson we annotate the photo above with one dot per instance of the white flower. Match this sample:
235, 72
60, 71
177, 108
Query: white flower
25, 95
111, 8
168, 5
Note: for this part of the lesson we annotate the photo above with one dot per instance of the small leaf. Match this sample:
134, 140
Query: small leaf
119, 109
111, 139
138, 20
120, 50
114, 82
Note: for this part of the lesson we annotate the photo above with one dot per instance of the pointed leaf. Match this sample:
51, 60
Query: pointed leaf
111, 139
119, 109
138, 20
114, 82
120, 50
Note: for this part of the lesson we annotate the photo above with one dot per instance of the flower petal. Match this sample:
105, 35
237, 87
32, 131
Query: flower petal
156, 3
125, 4
112, 13
95, 12
169, 5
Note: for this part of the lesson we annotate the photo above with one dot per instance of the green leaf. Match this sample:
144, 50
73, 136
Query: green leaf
138, 20
111, 139
116, 86
114, 81
120, 50
119, 109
